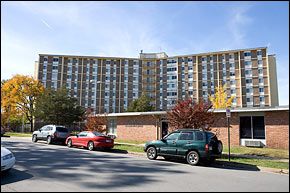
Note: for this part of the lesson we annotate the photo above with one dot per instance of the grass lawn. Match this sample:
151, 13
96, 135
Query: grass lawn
129, 148
14, 134
258, 162
130, 141
275, 153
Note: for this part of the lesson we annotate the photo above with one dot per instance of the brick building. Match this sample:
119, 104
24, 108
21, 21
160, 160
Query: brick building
268, 126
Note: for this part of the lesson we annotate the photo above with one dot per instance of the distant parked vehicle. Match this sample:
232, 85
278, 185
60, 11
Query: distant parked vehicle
51, 133
2, 131
90, 140
7, 159
192, 144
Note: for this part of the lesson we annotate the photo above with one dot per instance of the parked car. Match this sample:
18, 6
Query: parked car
7, 159
51, 133
90, 140
2, 131
192, 144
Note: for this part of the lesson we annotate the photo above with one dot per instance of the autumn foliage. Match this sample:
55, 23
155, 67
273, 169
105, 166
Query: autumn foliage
187, 114
95, 123
18, 96
220, 99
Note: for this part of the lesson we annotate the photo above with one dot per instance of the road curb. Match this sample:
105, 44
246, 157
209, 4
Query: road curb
274, 170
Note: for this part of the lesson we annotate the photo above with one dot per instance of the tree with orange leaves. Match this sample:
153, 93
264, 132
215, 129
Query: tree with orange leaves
18, 95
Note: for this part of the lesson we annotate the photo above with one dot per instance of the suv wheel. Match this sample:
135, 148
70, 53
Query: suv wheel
34, 138
151, 153
69, 143
91, 146
48, 140
192, 158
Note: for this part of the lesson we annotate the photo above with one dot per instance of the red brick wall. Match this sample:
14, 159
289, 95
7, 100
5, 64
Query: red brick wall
221, 129
143, 129
277, 129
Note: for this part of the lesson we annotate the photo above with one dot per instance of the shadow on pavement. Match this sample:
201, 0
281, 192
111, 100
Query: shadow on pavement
14, 175
219, 164
84, 168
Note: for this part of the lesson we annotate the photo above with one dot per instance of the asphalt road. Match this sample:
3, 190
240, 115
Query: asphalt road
40, 167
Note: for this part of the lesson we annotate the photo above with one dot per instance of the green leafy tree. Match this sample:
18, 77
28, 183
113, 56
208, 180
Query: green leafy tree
142, 104
57, 107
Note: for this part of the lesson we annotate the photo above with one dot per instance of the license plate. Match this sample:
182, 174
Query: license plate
108, 141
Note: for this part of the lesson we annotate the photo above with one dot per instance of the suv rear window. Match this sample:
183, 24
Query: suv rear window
61, 129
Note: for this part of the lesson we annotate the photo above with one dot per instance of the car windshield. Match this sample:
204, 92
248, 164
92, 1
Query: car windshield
98, 133
61, 129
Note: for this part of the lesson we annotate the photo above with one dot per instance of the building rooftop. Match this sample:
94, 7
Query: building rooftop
235, 110
158, 55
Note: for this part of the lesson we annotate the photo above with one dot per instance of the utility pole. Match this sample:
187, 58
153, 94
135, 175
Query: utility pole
228, 114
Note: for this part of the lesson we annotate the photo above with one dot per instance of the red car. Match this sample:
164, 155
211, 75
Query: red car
90, 140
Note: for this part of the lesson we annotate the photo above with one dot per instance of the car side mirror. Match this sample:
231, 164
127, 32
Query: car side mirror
77, 135
163, 139
40, 130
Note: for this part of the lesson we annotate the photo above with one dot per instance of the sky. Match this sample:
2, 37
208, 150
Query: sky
122, 29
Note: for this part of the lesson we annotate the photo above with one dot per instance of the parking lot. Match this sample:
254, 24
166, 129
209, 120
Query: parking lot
42, 167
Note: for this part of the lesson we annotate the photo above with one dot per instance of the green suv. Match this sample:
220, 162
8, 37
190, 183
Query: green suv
192, 144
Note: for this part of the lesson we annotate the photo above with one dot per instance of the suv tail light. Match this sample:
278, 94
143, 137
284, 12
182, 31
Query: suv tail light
206, 148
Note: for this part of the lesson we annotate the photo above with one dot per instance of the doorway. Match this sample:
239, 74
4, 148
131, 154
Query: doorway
164, 128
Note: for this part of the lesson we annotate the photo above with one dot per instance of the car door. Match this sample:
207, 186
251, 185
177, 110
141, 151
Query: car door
169, 147
82, 139
46, 132
40, 132
199, 142
184, 142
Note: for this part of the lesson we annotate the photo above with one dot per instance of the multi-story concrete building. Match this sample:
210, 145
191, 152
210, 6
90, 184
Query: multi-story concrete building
110, 84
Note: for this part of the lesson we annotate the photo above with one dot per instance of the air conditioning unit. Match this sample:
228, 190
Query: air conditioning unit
254, 144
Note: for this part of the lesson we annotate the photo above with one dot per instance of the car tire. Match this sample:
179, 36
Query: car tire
48, 139
34, 138
69, 143
192, 158
151, 153
90, 146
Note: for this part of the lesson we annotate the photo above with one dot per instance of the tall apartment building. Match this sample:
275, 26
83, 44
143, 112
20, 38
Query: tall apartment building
110, 84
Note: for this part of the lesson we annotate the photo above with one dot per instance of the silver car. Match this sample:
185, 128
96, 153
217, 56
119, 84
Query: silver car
51, 133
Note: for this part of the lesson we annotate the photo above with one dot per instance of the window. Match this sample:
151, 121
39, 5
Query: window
199, 136
260, 61
172, 136
45, 59
259, 52
252, 127
248, 81
55, 59
261, 89
248, 63
249, 90
247, 54
262, 99
186, 136
247, 72
260, 71
248, 100
261, 80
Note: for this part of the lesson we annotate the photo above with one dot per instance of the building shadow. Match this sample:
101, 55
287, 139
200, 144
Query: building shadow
14, 175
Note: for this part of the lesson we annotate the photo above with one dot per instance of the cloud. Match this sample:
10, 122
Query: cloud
238, 24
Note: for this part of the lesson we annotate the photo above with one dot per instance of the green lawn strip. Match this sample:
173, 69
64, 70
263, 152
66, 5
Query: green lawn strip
258, 162
14, 134
130, 141
129, 148
268, 152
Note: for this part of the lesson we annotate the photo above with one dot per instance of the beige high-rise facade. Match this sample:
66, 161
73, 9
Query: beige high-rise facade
110, 84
